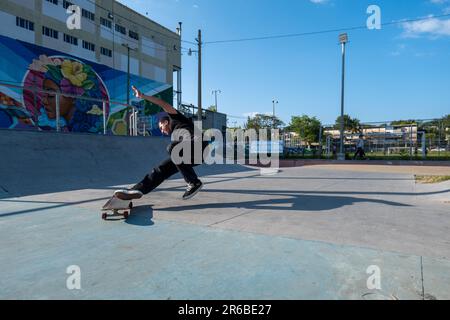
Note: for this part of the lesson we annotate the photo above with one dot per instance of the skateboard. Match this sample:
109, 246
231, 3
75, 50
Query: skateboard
118, 208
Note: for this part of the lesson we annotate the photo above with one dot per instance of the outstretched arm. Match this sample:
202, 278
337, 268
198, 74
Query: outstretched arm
166, 107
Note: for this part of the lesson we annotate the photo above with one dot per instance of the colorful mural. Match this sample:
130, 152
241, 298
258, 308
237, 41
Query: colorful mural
36, 68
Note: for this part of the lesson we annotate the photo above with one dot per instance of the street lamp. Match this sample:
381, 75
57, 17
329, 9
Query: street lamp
215, 92
343, 39
273, 115
128, 87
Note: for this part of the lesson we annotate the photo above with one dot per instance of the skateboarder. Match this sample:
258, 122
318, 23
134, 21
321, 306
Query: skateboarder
167, 124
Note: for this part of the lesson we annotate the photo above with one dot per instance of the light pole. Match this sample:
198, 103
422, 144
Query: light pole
128, 70
128, 79
199, 40
273, 114
215, 92
343, 39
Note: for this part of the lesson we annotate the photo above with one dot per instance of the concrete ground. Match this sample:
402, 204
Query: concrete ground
311, 232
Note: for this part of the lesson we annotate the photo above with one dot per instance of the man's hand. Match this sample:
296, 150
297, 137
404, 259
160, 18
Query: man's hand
137, 93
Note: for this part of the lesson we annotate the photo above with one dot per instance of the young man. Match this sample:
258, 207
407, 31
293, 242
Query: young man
360, 148
167, 124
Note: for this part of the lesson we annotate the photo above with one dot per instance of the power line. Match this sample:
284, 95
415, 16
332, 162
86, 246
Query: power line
123, 37
133, 22
322, 31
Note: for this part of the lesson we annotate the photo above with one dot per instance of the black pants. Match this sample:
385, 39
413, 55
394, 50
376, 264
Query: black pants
359, 152
168, 168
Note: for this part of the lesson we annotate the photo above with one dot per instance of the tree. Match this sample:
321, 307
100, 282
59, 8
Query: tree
350, 124
262, 121
212, 108
403, 122
308, 128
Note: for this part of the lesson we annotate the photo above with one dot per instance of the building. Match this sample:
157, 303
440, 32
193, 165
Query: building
210, 119
39, 49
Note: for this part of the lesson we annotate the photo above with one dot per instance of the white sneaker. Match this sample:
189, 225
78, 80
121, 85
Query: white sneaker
127, 194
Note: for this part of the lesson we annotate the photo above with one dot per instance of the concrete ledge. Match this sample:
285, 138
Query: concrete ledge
285, 163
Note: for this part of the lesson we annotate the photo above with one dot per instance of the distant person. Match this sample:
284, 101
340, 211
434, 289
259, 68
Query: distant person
360, 148
168, 124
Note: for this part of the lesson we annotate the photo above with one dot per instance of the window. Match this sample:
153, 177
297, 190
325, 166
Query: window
106, 52
105, 22
121, 29
49, 32
53, 1
88, 46
87, 14
70, 39
67, 4
133, 35
24, 23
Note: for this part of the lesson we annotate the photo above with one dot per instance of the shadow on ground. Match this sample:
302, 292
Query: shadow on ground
292, 201
141, 216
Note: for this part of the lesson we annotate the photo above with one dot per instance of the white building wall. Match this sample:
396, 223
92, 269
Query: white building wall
148, 70
88, 25
106, 33
120, 39
9, 28
160, 75
153, 49
25, 3
121, 63
55, 11
108, 61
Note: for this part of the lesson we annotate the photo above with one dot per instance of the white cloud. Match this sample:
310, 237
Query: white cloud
318, 1
433, 27
399, 50
439, 1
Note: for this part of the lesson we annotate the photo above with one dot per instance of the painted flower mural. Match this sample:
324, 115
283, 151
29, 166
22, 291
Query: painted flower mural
66, 76
35, 68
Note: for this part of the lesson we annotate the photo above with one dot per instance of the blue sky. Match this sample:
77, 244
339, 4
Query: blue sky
401, 71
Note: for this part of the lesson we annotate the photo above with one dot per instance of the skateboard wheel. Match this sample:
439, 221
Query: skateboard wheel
125, 214
104, 215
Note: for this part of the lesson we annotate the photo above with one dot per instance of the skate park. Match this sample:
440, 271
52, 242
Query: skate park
307, 232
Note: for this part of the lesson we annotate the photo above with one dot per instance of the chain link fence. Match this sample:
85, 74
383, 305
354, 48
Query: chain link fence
427, 139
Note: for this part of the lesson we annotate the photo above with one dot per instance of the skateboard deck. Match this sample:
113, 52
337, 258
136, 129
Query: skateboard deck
116, 207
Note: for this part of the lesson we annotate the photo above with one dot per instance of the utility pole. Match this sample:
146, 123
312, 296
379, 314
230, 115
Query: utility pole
179, 91
199, 40
215, 92
343, 39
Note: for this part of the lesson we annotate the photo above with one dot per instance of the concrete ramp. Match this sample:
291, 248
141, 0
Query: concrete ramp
44, 162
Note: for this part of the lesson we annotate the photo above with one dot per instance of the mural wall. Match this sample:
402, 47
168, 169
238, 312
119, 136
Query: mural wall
30, 66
